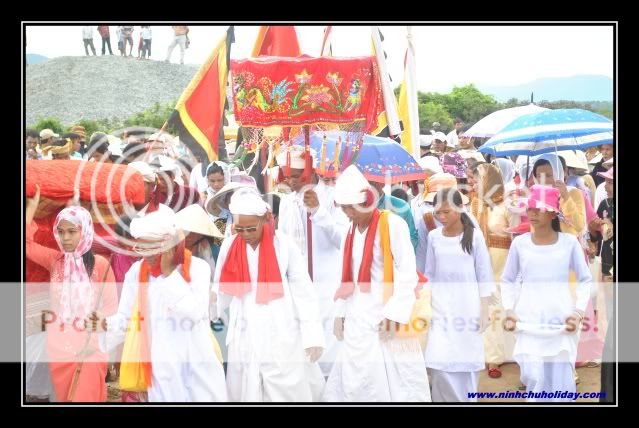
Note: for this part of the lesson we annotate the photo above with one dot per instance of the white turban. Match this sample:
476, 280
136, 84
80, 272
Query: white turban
156, 226
297, 157
248, 201
350, 186
145, 170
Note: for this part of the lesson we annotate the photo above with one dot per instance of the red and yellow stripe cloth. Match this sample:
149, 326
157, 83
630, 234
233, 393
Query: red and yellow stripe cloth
198, 114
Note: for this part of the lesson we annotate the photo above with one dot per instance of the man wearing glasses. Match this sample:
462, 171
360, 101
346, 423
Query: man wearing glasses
275, 337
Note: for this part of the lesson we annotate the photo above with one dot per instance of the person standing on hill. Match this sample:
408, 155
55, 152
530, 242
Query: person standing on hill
106, 38
87, 37
146, 42
127, 34
180, 38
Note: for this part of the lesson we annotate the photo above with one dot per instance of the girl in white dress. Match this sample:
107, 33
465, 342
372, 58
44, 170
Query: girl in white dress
461, 279
537, 299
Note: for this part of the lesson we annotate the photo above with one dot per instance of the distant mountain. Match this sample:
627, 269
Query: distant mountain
36, 58
575, 88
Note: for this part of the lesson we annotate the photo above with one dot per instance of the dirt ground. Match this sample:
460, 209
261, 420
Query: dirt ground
589, 382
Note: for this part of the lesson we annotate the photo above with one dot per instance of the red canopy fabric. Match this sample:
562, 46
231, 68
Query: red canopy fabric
287, 91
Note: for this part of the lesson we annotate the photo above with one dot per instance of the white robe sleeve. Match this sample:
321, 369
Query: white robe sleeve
510, 278
223, 300
304, 296
340, 304
188, 300
117, 323
334, 226
483, 265
584, 277
400, 305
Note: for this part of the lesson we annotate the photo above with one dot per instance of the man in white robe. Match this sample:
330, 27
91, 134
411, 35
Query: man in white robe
185, 367
273, 342
373, 364
320, 248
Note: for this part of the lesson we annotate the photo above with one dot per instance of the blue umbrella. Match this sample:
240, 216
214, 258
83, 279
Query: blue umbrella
549, 131
376, 157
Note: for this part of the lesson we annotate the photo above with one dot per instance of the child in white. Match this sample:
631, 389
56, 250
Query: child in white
461, 280
540, 308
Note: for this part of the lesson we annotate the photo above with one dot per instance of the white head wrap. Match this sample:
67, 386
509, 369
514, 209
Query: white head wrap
297, 157
145, 170
248, 201
555, 163
350, 186
160, 226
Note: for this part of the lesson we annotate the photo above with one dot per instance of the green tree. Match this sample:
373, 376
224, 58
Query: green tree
469, 104
513, 102
51, 123
91, 126
433, 97
432, 112
153, 117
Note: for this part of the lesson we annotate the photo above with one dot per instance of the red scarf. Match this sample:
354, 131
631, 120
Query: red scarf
364, 276
235, 279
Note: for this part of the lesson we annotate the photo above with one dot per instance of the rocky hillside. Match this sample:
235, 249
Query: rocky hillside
99, 87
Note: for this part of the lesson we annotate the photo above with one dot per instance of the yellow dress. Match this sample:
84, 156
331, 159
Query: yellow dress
497, 220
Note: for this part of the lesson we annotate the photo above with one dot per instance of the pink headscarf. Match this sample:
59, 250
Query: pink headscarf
77, 294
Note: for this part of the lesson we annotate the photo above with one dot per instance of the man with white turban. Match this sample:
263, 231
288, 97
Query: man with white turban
275, 337
163, 318
379, 360
308, 214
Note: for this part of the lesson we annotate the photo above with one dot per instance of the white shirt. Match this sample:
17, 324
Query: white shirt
87, 32
457, 281
146, 33
543, 296
452, 138
419, 208
266, 341
368, 309
185, 367
197, 180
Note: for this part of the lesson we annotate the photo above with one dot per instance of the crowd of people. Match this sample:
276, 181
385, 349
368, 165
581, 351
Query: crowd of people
331, 287
124, 36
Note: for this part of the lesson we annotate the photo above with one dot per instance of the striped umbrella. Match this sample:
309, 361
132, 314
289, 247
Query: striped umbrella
496, 121
549, 131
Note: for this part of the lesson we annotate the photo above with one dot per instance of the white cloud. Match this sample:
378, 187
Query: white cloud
447, 55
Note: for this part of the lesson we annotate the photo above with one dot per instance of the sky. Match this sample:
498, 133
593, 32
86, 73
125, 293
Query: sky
446, 55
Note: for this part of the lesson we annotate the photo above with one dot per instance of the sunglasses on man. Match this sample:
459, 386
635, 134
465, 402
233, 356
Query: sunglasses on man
250, 229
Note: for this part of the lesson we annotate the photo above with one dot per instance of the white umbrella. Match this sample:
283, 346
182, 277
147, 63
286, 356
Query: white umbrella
496, 121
